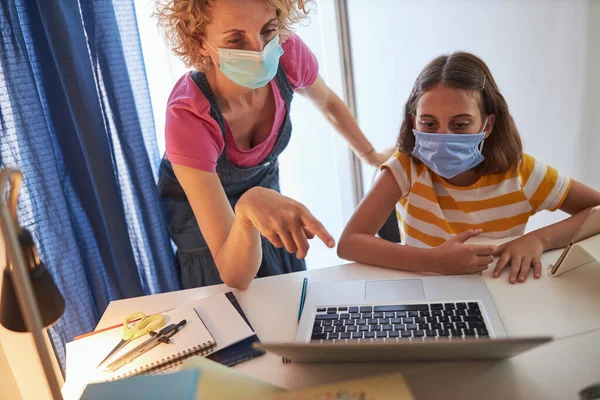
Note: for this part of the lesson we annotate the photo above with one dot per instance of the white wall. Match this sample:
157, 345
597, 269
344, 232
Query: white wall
543, 54
21, 371
8, 386
315, 168
591, 99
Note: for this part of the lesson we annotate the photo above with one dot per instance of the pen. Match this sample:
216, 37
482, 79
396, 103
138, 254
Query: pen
302, 298
161, 337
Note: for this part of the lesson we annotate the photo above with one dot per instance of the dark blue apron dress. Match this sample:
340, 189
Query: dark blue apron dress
196, 264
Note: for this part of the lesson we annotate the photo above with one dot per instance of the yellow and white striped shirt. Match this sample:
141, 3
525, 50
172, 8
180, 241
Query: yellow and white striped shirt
432, 210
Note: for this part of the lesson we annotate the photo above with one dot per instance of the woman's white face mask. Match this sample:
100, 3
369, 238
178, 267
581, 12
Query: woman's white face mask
251, 69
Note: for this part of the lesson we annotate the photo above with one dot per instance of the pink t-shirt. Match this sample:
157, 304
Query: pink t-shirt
193, 138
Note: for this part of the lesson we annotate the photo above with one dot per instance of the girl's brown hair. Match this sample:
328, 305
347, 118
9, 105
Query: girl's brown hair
503, 148
184, 22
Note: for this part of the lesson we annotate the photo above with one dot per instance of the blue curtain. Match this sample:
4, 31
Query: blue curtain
76, 118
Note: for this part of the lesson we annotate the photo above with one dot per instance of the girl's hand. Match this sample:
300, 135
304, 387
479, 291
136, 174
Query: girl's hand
455, 257
283, 221
521, 254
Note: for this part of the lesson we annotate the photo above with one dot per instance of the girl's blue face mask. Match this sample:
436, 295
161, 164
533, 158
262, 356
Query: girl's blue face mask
449, 154
251, 69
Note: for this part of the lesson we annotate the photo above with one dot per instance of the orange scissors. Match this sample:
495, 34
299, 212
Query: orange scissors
134, 326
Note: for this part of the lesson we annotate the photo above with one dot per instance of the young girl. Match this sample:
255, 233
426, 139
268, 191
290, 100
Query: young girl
460, 172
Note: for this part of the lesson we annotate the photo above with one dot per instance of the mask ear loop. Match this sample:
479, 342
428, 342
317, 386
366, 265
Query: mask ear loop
483, 130
212, 48
486, 118
211, 57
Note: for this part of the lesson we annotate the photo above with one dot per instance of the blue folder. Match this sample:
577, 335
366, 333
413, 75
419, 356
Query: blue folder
180, 385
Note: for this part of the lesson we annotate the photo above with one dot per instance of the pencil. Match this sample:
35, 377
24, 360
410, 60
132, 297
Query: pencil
302, 298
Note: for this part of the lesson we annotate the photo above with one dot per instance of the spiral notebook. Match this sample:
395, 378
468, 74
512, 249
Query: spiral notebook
86, 354
193, 339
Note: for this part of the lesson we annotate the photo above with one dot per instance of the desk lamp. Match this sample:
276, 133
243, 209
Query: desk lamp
30, 299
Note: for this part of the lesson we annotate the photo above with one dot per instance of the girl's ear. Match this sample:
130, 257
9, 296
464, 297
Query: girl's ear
489, 127
412, 120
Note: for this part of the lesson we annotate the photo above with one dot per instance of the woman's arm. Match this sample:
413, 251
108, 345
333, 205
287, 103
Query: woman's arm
234, 238
525, 252
358, 241
229, 239
338, 114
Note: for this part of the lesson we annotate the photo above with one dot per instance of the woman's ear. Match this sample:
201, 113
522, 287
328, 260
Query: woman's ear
412, 121
490, 125
204, 50
209, 52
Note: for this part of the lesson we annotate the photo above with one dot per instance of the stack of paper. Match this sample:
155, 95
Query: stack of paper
387, 387
219, 382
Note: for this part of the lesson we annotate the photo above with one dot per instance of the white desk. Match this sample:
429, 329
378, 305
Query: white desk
567, 307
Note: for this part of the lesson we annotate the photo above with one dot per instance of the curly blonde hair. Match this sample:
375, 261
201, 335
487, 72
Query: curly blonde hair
184, 22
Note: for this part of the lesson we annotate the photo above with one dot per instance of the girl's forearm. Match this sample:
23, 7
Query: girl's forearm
559, 235
368, 249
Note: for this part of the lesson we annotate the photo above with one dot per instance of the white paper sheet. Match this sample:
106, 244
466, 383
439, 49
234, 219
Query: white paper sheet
222, 320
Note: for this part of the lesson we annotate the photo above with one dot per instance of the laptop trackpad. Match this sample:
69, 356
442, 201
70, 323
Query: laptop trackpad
394, 290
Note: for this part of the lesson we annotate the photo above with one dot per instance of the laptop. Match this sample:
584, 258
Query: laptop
426, 319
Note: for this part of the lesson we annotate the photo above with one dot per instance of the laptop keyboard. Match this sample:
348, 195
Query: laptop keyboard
392, 323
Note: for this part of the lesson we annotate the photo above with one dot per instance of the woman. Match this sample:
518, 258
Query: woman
227, 122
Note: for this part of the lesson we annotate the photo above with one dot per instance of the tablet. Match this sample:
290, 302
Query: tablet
575, 255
